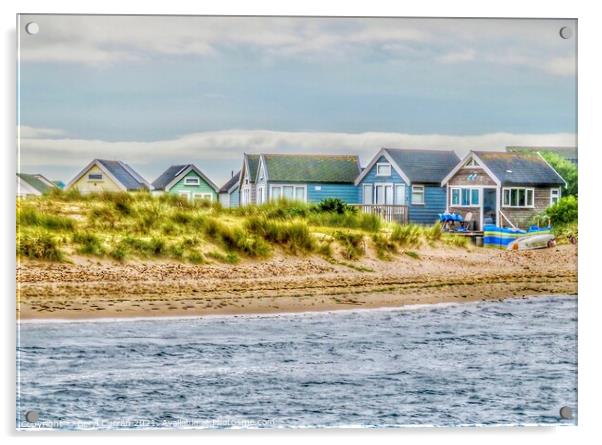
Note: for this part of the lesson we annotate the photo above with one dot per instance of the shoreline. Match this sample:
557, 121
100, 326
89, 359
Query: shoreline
89, 289
408, 307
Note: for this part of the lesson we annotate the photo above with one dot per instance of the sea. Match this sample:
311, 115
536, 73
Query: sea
510, 362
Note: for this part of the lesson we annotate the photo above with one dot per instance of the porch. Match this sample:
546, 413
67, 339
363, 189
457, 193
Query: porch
388, 212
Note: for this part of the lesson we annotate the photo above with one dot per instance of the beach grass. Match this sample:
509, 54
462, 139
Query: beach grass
127, 226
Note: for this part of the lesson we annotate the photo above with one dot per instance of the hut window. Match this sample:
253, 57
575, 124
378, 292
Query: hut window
95, 177
418, 194
520, 197
554, 196
465, 196
383, 169
191, 181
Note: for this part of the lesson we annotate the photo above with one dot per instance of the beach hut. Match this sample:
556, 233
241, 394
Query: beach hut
103, 175
248, 175
306, 178
187, 181
229, 192
405, 185
504, 189
32, 185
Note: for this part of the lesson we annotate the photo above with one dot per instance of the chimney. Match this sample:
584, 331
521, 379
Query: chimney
231, 173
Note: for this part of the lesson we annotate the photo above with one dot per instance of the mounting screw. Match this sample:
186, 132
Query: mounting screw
566, 412
566, 32
32, 416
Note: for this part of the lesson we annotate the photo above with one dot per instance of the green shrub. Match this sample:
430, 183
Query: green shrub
412, 254
181, 217
353, 244
407, 234
39, 245
565, 211
335, 205
30, 217
384, 246
154, 246
90, 244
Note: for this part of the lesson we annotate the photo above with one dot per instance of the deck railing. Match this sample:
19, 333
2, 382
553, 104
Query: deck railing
390, 213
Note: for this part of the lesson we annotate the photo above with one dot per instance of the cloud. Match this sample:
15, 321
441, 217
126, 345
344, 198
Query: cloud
226, 147
107, 40
458, 56
31, 132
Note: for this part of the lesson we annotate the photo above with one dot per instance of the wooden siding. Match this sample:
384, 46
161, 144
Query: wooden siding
346, 192
480, 177
522, 217
434, 203
371, 178
235, 198
203, 187
105, 185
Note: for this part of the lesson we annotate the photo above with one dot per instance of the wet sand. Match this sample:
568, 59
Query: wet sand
92, 289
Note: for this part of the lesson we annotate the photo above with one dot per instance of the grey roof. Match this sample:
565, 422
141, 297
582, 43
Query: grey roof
125, 174
167, 176
231, 182
37, 181
428, 166
520, 168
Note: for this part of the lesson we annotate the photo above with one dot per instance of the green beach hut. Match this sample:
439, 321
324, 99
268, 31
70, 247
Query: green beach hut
186, 180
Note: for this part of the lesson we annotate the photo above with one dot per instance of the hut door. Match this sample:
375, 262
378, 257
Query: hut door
489, 206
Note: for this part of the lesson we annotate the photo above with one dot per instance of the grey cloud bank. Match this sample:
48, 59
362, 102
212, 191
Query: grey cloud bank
222, 150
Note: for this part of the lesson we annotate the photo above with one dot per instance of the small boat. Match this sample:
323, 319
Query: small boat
535, 241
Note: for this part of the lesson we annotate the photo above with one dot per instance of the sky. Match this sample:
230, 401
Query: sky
161, 90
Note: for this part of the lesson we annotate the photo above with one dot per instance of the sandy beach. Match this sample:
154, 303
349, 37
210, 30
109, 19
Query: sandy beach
91, 289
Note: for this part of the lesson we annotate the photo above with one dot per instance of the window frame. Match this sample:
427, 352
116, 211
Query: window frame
383, 164
101, 178
422, 192
194, 178
202, 196
470, 190
508, 203
558, 191
294, 186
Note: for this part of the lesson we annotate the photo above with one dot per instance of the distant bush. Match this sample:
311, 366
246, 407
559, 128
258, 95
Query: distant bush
39, 246
434, 232
565, 211
566, 169
335, 205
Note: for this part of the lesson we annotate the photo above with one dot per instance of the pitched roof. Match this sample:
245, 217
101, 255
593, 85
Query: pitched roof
175, 173
38, 182
520, 168
311, 168
125, 174
230, 183
428, 166
167, 176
